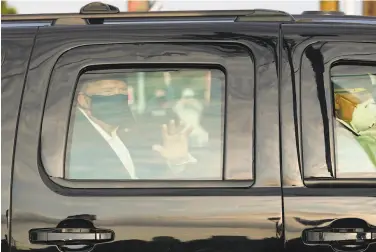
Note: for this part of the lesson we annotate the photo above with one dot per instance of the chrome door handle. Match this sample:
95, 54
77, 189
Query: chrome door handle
356, 235
70, 236
342, 235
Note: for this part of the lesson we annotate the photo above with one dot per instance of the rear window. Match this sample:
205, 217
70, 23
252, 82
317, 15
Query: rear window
354, 97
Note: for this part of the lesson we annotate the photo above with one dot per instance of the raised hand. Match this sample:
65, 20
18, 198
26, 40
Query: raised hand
175, 142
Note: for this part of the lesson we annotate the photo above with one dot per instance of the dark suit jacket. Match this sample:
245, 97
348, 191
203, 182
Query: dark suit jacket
89, 156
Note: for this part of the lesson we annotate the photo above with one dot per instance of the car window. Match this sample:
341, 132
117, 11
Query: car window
354, 99
148, 124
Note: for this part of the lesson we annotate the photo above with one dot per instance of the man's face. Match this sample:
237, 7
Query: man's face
107, 101
346, 103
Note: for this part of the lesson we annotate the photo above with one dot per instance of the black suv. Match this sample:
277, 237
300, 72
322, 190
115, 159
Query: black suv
220, 131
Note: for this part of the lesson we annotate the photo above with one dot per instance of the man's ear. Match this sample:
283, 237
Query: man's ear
83, 101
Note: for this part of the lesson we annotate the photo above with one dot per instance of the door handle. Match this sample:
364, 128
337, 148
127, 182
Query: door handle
350, 234
70, 236
338, 235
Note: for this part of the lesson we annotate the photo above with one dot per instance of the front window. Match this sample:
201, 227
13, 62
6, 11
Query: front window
151, 124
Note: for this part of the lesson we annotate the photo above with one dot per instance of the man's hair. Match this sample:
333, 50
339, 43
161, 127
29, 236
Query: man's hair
87, 84
84, 86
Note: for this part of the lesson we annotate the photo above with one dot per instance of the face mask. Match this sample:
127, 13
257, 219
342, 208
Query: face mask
112, 110
364, 115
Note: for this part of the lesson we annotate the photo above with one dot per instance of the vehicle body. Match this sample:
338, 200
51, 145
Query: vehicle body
277, 120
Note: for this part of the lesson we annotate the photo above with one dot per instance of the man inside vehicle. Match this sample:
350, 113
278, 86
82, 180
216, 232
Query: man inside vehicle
356, 127
102, 145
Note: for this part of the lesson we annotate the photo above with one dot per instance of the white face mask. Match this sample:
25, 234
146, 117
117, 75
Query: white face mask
364, 116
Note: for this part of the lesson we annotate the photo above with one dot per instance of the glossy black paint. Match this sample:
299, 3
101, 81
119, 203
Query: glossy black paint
188, 219
307, 132
222, 217
16, 46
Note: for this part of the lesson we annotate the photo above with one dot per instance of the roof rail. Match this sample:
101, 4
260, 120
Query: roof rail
141, 15
335, 17
97, 12
266, 15
334, 13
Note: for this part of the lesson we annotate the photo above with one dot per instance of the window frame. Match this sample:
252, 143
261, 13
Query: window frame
331, 60
213, 61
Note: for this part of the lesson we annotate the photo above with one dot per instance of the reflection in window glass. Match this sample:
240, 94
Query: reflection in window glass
355, 112
149, 124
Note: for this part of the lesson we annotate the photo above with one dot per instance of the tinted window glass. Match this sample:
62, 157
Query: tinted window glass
152, 124
355, 113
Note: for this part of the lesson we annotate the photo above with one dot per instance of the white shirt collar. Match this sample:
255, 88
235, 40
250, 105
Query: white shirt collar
117, 145
99, 128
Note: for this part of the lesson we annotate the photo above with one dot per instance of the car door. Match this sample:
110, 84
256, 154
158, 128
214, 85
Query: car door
16, 46
76, 187
328, 137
